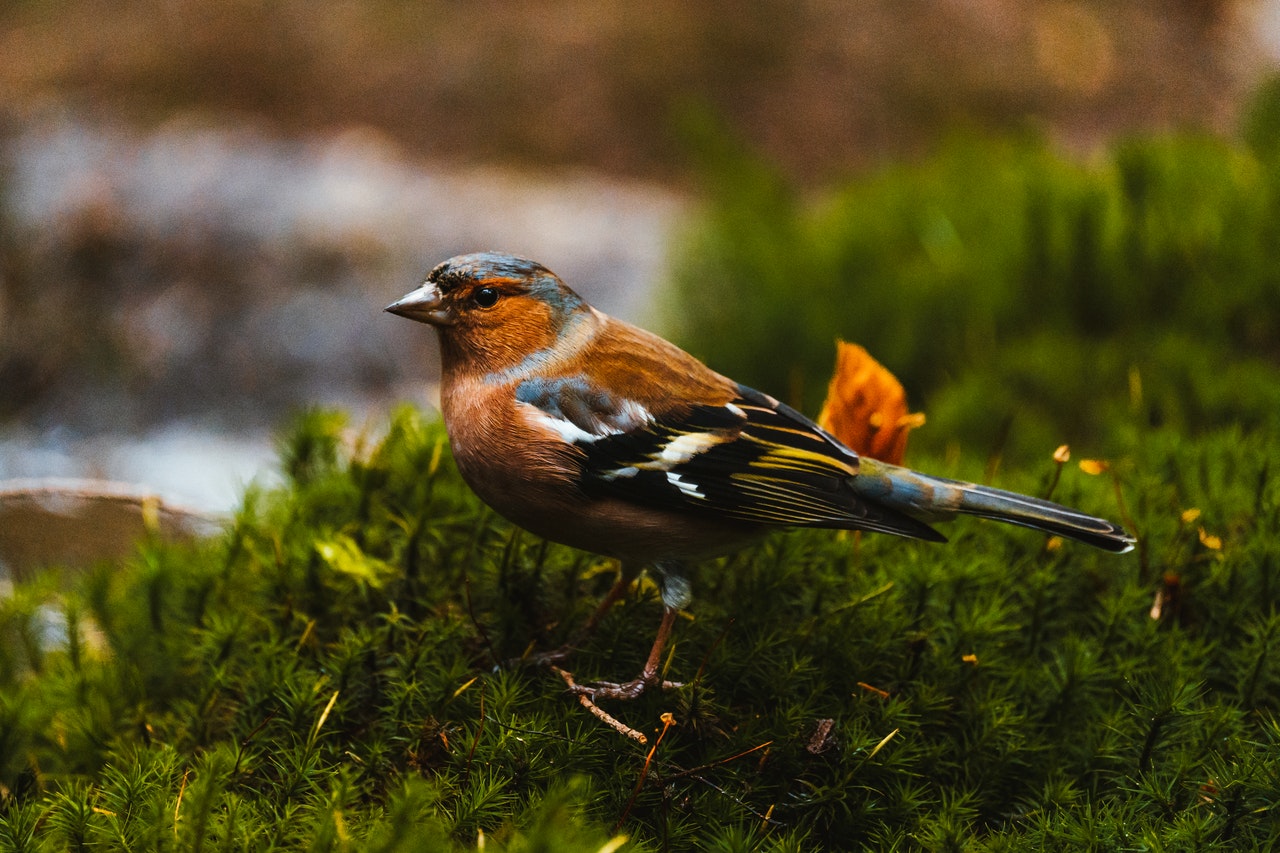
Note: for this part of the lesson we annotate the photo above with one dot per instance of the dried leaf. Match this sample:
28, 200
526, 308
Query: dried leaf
821, 741
883, 694
866, 407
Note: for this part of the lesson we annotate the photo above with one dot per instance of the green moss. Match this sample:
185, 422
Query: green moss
328, 674
1022, 296
259, 692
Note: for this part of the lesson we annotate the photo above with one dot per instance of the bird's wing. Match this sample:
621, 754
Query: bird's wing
751, 459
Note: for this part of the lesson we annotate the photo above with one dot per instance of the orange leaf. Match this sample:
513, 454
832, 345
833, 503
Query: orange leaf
1094, 467
866, 407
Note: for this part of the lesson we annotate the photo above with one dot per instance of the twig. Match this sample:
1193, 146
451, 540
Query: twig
250, 736
600, 713
182, 789
715, 763
765, 818
883, 694
667, 722
525, 731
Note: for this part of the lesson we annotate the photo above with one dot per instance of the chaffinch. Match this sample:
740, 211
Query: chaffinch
594, 433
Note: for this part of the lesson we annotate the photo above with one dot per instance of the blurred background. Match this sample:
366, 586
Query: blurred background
1054, 221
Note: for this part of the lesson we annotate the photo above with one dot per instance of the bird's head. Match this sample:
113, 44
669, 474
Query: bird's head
494, 310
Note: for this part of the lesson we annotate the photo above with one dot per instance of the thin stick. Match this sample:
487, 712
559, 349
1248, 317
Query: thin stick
883, 694
523, 730
667, 722
244, 743
555, 656
600, 713
181, 790
615, 592
764, 818
716, 763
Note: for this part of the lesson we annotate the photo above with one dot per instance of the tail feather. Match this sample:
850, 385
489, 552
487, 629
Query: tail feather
1012, 508
926, 497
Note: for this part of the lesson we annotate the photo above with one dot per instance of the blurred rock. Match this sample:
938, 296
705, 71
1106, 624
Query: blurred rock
76, 523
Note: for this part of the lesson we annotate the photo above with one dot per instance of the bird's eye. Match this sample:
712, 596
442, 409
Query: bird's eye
485, 297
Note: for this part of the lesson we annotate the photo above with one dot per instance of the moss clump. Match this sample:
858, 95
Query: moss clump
323, 677
1006, 284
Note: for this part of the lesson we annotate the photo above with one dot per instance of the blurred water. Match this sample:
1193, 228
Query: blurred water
248, 189
238, 276
185, 465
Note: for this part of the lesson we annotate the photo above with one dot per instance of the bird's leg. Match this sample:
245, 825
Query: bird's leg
675, 594
648, 675
625, 577
620, 586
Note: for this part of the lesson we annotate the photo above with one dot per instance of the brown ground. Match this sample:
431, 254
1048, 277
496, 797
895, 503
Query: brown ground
820, 85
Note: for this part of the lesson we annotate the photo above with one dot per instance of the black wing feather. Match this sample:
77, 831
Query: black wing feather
753, 460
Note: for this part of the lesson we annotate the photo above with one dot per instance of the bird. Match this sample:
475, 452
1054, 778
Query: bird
589, 431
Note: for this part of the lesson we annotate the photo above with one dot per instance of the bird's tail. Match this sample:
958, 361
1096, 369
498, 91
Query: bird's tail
930, 498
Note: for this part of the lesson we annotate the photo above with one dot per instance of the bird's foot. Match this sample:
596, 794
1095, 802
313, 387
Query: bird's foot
588, 693
625, 690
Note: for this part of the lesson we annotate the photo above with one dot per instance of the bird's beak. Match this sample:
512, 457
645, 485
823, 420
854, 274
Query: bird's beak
426, 305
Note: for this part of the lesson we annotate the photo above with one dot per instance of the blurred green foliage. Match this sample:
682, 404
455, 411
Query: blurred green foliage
322, 677
1012, 289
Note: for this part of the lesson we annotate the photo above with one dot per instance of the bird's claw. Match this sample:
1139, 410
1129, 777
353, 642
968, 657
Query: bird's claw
625, 690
